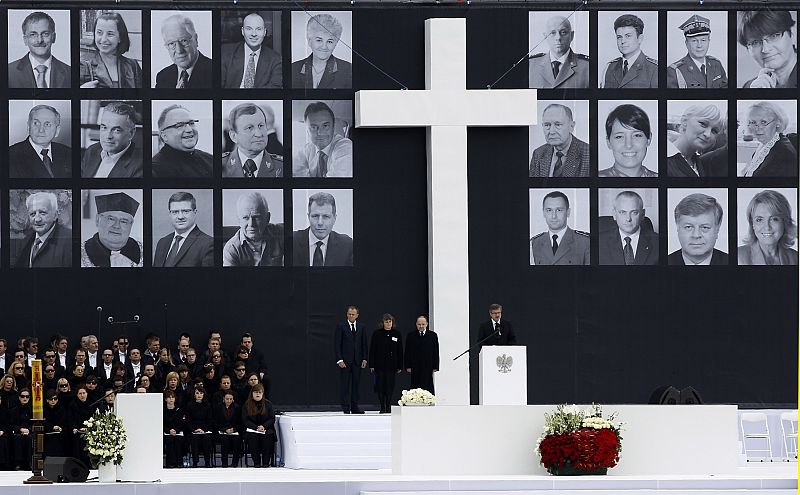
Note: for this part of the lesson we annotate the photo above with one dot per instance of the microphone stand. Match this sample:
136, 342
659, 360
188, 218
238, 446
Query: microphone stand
479, 342
116, 390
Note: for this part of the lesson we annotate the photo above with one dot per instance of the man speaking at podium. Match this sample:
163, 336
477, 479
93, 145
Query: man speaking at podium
503, 330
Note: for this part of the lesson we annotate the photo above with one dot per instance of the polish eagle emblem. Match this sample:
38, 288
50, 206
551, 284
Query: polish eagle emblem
504, 363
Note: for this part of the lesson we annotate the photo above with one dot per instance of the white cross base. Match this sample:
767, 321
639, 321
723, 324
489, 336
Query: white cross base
447, 108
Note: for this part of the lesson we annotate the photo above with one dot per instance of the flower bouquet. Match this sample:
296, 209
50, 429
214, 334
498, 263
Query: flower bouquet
577, 441
105, 438
417, 397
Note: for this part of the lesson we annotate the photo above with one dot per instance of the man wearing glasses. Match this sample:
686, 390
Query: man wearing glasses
38, 68
187, 245
112, 245
50, 360
697, 69
179, 156
191, 69
116, 155
121, 352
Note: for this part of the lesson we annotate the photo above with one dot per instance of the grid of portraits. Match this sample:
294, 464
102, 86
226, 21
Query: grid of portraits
629, 161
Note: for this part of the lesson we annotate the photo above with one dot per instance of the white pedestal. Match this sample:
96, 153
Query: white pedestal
143, 419
503, 373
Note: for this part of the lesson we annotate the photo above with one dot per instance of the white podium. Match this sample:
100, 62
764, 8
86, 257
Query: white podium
143, 419
503, 375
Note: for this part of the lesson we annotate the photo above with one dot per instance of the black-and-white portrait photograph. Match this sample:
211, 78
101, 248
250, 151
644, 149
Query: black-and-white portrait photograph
111, 228
40, 228
697, 138
627, 139
324, 223
180, 49
628, 226
111, 139
182, 138
766, 140
559, 226
559, 143
698, 227
321, 142
252, 227
183, 227
40, 139
252, 138
321, 53
766, 52
559, 49
697, 49
39, 49
111, 48
627, 49
251, 49
766, 226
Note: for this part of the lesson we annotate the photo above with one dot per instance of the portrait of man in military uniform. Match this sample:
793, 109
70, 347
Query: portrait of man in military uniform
555, 63
558, 244
249, 133
634, 69
697, 69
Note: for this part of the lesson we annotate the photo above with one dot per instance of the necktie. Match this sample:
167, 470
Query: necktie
556, 67
353, 327
36, 245
703, 69
250, 73
184, 79
627, 251
318, 260
559, 164
48, 163
624, 68
41, 82
173, 251
555, 244
322, 165
249, 168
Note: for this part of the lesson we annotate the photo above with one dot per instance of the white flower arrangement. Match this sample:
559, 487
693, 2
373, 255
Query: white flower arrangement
105, 438
417, 396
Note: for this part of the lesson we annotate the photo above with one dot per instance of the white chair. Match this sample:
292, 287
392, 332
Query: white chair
755, 428
789, 429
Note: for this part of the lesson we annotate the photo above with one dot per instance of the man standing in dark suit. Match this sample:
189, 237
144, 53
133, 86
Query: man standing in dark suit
251, 64
116, 155
191, 69
50, 244
38, 68
250, 157
188, 245
319, 244
564, 155
38, 156
422, 355
350, 350
630, 243
698, 218
505, 331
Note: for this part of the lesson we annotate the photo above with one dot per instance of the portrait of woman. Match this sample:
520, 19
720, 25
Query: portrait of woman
696, 134
772, 231
767, 36
106, 66
321, 69
628, 135
775, 156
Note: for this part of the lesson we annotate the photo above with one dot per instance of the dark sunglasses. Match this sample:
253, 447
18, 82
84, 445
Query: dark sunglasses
19, 367
241, 369
24, 396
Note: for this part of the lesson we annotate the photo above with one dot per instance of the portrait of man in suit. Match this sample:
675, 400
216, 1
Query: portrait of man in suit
350, 351
190, 68
326, 152
179, 157
115, 155
319, 245
49, 244
38, 68
187, 245
250, 63
629, 240
38, 156
321, 69
249, 157
257, 242
563, 155
697, 69
112, 244
495, 330
560, 66
698, 218
559, 244
633, 69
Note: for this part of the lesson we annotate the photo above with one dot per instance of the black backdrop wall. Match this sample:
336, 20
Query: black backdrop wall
601, 334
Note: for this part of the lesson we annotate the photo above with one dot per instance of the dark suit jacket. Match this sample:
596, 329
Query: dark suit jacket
128, 165
717, 258
269, 72
20, 74
348, 346
611, 247
93, 69
505, 337
338, 74
56, 252
575, 162
24, 162
197, 250
339, 252
167, 78
781, 161
714, 163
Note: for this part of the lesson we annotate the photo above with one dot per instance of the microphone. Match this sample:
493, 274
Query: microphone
99, 309
111, 319
136, 318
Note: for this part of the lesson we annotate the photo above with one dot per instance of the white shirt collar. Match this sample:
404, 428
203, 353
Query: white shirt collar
634, 239
562, 59
560, 235
689, 262
38, 149
632, 58
47, 234
699, 62
184, 235
312, 239
243, 158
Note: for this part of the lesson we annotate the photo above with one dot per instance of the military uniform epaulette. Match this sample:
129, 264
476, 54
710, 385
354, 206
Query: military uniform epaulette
618, 59
538, 235
225, 155
276, 157
651, 60
537, 55
580, 232
677, 64
581, 56
712, 58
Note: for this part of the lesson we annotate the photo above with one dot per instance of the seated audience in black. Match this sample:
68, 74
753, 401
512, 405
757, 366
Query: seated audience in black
79, 411
258, 421
174, 426
55, 424
200, 424
21, 426
228, 422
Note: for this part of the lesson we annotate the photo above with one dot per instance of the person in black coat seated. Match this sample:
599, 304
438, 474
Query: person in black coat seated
107, 404
253, 364
6, 428
386, 360
505, 335
79, 411
21, 426
8, 392
239, 381
95, 391
258, 419
174, 426
55, 424
252, 381
228, 421
49, 379
199, 421
224, 388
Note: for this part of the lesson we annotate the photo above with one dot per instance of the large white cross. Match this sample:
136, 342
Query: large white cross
447, 108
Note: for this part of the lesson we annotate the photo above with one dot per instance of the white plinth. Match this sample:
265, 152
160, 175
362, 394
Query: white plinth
142, 415
501, 440
503, 375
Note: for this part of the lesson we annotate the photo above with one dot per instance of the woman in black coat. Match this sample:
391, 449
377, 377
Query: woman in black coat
21, 426
199, 420
258, 416
79, 411
55, 424
174, 426
386, 360
228, 421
